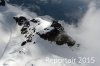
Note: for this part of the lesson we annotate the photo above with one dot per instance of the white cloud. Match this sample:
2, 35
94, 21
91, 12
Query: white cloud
88, 34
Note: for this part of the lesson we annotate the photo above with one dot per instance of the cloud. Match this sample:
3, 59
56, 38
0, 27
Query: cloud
88, 34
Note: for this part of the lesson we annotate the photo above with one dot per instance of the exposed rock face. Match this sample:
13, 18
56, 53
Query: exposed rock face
54, 35
34, 21
51, 36
2, 2
22, 21
62, 39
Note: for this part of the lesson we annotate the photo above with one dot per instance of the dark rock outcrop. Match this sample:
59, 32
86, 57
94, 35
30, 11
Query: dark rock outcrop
23, 43
20, 20
57, 25
34, 21
2, 3
63, 39
56, 35
50, 35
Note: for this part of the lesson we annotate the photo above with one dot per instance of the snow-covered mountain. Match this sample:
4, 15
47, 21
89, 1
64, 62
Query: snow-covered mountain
27, 39
31, 38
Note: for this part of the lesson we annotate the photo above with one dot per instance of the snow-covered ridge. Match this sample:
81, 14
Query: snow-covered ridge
51, 31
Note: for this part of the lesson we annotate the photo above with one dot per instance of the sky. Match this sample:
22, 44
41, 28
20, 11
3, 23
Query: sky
66, 10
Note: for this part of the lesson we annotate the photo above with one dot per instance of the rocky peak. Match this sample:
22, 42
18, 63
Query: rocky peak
54, 35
